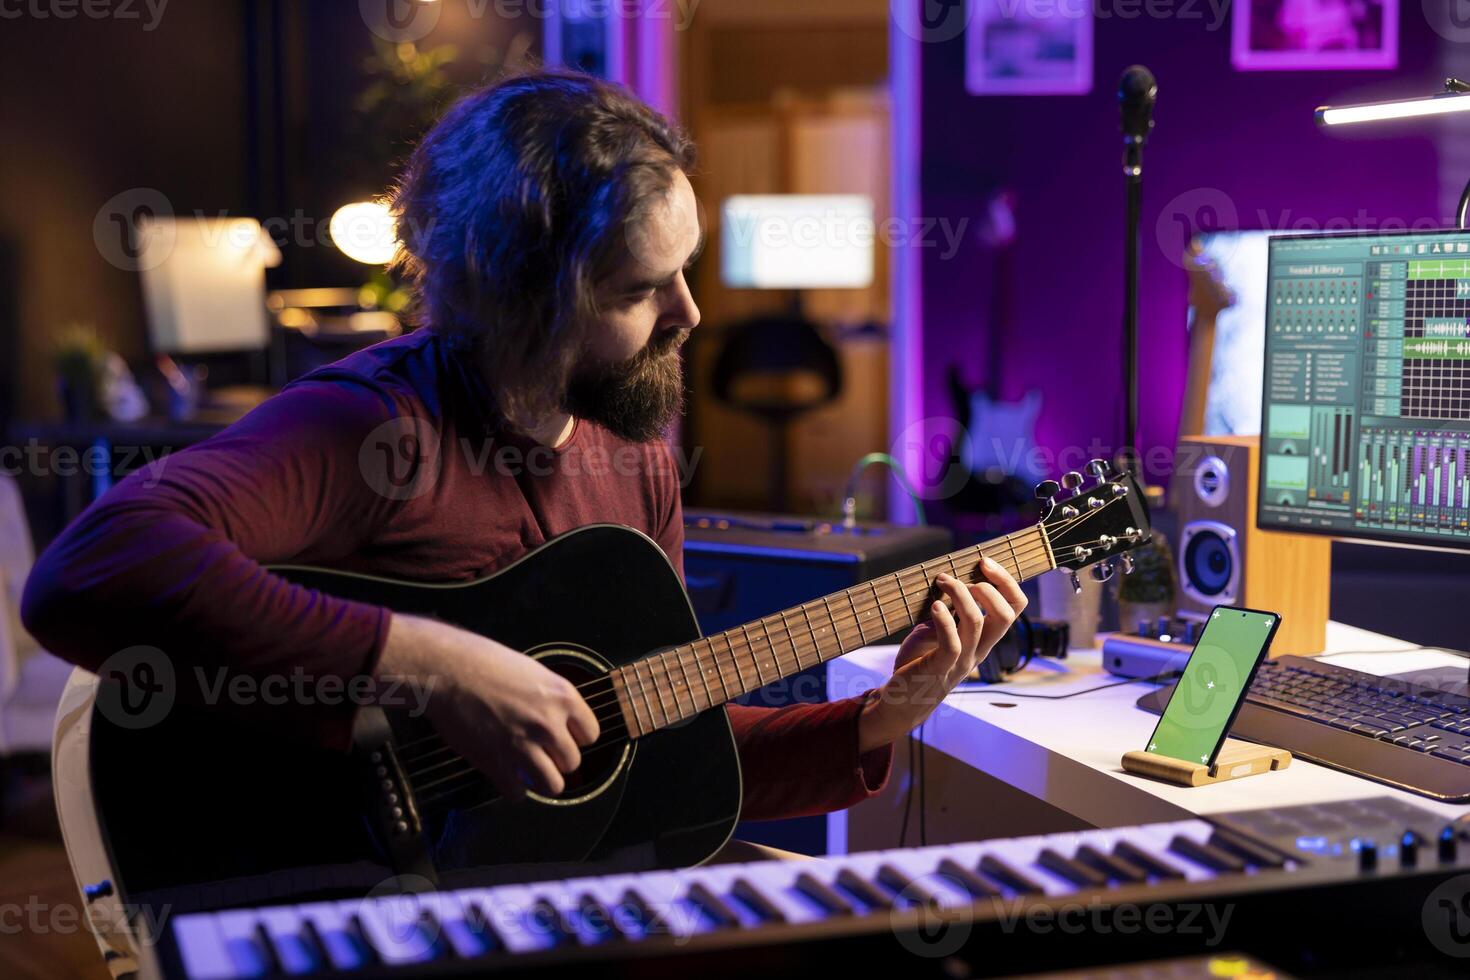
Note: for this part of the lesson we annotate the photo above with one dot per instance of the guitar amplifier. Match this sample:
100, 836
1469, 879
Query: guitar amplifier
742, 566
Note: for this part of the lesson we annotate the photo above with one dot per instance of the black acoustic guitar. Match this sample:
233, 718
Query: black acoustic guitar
203, 796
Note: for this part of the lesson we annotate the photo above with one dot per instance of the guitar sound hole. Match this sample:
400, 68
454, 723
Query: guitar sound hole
600, 761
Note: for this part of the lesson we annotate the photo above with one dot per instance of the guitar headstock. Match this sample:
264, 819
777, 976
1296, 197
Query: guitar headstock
1091, 523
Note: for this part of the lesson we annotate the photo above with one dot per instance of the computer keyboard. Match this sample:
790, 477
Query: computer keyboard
1391, 731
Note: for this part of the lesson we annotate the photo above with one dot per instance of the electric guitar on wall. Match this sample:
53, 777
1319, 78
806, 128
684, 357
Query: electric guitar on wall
198, 809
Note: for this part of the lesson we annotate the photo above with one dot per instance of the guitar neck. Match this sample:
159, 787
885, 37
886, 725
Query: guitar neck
676, 684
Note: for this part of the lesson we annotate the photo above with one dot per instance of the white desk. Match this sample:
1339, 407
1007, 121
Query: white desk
1068, 753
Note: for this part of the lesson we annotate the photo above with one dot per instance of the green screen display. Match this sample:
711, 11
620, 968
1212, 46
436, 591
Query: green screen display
1220, 667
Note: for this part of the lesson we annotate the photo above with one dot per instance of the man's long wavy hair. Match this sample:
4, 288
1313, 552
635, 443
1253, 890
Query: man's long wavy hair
514, 207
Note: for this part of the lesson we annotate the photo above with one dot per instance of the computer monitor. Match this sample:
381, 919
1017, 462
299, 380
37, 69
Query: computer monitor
1233, 395
1366, 400
797, 241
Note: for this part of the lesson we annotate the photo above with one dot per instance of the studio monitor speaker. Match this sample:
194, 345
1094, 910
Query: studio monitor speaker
1224, 559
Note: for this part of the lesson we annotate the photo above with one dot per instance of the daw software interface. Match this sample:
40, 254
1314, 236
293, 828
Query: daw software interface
1365, 428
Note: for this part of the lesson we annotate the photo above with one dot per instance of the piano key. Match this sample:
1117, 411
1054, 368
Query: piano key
551, 921
1116, 869
903, 884
237, 928
267, 949
977, 886
1156, 866
1074, 871
1252, 853
474, 934
1010, 876
202, 948
598, 923
436, 934
823, 894
761, 903
649, 920
714, 906
863, 890
392, 930
294, 941
1205, 854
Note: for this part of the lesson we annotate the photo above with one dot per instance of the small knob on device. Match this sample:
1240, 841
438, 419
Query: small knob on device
1100, 469
1071, 480
1447, 845
1145, 628
1076, 583
1367, 855
96, 890
1127, 559
1047, 489
1103, 571
1409, 849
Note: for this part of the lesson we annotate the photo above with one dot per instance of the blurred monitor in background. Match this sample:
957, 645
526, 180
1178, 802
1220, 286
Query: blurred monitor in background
1233, 398
204, 284
797, 241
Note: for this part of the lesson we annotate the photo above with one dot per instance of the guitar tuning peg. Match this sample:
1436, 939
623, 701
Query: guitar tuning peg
1127, 560
1072, 480
1047, 489
1100, 469
1076, 583
1103, 571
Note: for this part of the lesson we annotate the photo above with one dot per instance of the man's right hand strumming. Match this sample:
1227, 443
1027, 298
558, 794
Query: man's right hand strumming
510, 717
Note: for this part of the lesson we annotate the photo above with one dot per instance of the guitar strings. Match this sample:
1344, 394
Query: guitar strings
608, 732
802, 642
1025, 567
1030, 549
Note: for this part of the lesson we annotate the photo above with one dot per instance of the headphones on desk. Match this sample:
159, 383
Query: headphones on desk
1025, 639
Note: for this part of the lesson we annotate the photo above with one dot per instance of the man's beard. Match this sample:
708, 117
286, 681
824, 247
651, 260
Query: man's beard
637, 399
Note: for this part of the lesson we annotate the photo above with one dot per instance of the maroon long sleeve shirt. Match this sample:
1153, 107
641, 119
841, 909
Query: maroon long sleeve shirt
387, 462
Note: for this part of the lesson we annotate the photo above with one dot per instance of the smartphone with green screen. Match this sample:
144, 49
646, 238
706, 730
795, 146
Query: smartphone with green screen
1214, 684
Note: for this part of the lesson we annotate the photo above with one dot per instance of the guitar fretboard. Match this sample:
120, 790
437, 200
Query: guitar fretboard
676, 684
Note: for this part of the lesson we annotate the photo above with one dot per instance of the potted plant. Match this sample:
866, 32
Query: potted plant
1148, 593
77, 359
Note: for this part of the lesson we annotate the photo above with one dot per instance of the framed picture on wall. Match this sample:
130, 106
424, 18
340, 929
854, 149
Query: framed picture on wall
1028, 49
1285, 35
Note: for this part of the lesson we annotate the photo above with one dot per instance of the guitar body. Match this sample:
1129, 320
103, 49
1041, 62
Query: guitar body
207, 796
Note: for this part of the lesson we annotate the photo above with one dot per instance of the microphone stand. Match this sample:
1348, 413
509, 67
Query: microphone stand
1133, 175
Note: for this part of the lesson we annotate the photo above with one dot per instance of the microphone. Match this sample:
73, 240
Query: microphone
1137, 92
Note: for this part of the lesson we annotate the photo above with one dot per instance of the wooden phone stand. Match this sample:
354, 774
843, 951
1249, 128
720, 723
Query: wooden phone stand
1235, 761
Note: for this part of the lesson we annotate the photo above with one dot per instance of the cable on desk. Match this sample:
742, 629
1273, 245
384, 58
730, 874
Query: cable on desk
970, 688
